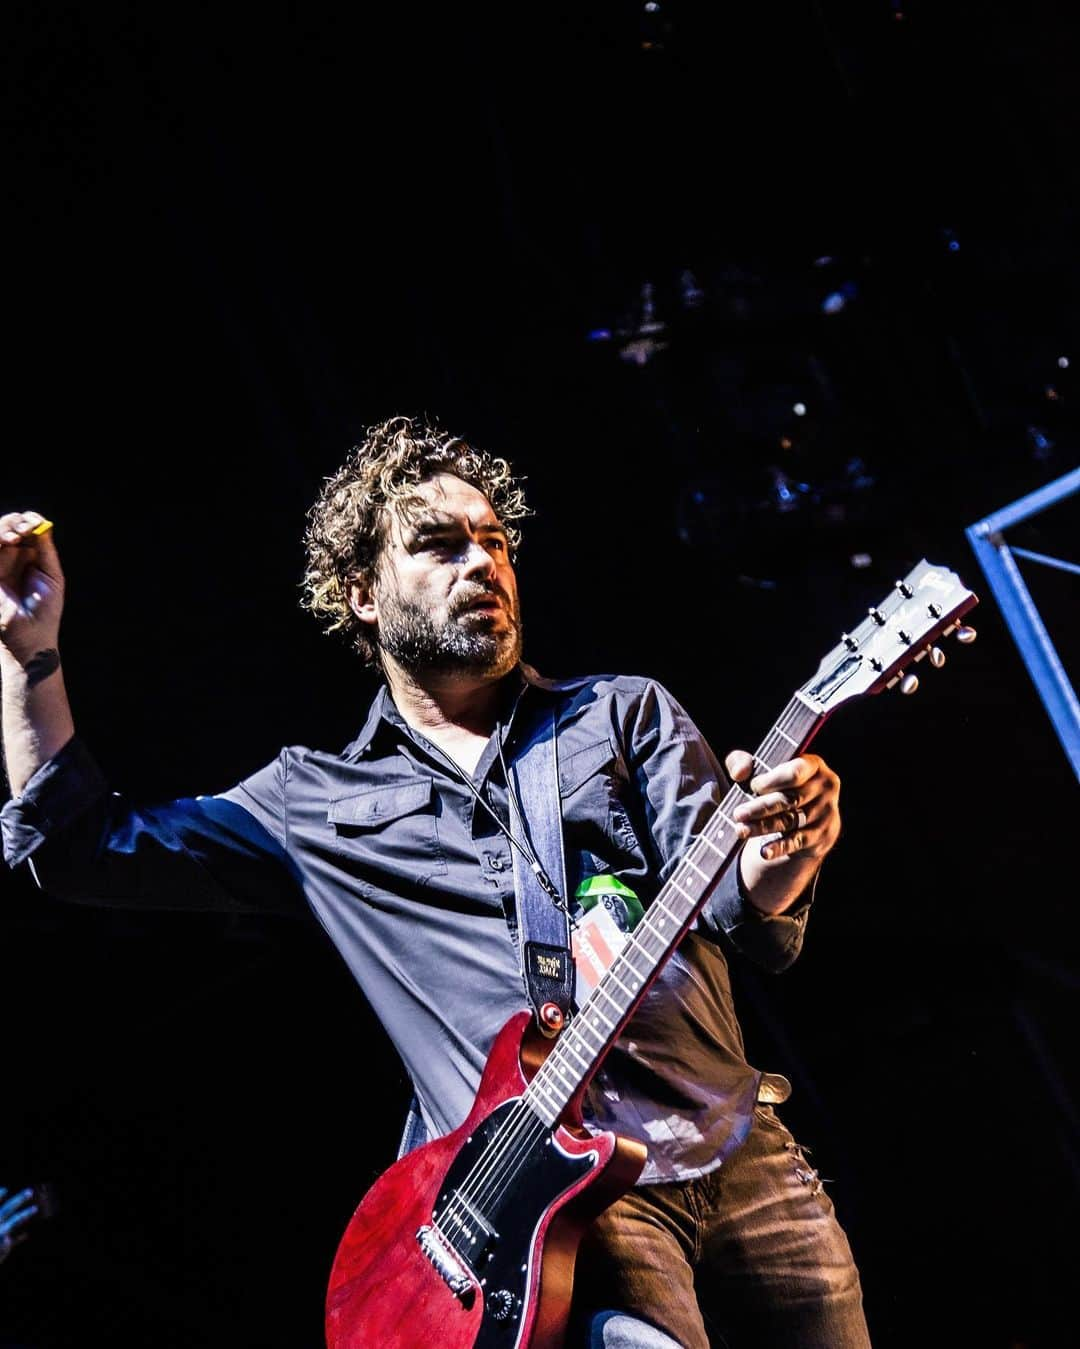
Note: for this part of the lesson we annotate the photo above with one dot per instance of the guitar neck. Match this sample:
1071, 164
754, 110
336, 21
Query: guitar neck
588, 1037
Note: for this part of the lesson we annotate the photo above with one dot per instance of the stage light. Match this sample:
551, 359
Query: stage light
799, 409
837, 300
1040, 442
641, 335
690, 293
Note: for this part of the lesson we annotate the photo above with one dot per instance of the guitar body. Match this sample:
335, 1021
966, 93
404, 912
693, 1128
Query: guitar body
512, 1198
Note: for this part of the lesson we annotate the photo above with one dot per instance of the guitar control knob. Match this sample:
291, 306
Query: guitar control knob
909, 683
500, 1304
937, 657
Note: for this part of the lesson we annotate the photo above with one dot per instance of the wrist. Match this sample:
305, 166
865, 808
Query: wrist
37, 662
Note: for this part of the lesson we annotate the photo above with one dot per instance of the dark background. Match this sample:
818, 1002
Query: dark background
232, 244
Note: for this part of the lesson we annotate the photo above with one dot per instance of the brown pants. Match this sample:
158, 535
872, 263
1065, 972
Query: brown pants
749, 1256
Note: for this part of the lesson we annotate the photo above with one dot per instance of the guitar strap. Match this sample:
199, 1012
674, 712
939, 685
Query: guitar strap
543, 928
543, 918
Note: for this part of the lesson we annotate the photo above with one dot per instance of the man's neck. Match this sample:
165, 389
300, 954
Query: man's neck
440, 705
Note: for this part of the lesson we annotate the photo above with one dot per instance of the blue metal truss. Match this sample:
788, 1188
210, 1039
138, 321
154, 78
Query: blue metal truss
998, 561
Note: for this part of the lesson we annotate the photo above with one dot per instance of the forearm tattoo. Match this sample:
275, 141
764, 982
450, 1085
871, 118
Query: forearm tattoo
41, 666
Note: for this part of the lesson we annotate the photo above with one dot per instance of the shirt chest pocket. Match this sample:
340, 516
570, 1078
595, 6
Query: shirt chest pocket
593, 783
389, 827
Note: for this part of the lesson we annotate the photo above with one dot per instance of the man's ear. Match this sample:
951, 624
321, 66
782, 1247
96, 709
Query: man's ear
362, 600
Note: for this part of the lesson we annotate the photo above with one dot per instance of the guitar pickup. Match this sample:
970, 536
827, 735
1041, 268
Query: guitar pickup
463, 1225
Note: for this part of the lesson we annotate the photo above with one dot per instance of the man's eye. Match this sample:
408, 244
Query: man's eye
498, 544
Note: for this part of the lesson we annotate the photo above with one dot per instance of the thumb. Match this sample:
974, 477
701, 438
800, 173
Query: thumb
739, 765
45, 556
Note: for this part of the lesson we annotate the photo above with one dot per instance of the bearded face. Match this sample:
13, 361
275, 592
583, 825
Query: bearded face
477, 633
444, 598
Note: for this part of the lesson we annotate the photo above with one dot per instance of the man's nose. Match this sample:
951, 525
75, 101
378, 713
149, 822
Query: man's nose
478, 561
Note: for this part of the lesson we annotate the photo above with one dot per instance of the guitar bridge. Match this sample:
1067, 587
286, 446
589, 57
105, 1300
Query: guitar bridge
449, 1268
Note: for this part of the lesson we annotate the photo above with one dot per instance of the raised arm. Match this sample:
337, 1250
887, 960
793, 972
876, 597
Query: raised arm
37, 720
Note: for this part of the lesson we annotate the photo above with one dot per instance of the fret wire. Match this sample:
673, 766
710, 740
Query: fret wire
714, 866
691, 892
635, 974
687, 894
704, 838
610, 996
587, 1029
595, 1011
615, 979
568, 1048
658, 903
545, 1076
544, 1082
656, 938
540, 1086
558, 1056
589, 1011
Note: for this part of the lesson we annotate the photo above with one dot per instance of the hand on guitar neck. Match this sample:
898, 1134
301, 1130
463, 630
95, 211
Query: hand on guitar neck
796, 808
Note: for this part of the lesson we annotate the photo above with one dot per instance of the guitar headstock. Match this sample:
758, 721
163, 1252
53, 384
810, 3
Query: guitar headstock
896, 633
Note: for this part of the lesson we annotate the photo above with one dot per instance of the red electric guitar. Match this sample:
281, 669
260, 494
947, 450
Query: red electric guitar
471, 1239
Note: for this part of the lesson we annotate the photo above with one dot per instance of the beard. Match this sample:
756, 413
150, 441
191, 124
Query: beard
463, 643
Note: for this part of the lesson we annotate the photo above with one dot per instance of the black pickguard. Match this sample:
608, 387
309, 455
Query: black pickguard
494, 1235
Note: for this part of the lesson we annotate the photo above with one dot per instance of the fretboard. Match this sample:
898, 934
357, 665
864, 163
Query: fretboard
590, 1034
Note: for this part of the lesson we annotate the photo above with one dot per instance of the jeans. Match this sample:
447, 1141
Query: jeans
750, 1256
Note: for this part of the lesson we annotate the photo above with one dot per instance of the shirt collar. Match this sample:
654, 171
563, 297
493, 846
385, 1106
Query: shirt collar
383, 712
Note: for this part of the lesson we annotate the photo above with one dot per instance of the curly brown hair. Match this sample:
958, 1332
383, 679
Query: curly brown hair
346, 527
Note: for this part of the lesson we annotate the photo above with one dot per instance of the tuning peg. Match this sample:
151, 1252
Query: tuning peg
937, 657
965, 635
909, 683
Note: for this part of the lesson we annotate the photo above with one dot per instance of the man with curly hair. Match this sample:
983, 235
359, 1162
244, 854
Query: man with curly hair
402, 847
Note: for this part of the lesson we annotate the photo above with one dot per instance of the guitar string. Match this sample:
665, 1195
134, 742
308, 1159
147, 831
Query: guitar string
505, 1151
510, 1137
516, 1135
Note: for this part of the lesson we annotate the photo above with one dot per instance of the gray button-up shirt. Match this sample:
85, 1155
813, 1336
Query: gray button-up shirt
411, 878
